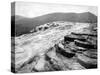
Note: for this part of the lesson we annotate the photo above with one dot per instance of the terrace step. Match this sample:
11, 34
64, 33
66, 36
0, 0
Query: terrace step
65, 52
91, 54
85, 44
86, 61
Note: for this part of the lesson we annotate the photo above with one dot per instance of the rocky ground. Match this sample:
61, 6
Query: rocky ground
60, 46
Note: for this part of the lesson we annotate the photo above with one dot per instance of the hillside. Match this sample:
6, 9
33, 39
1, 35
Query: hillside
24, 25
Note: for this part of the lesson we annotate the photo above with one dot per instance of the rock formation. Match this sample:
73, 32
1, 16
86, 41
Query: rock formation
55, 50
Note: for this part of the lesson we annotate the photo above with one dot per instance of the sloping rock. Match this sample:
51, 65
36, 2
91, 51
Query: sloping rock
85, 44
72, 37
70, 63
79, 49
64, 52
85, 34
91, 53
86, 61
54, 62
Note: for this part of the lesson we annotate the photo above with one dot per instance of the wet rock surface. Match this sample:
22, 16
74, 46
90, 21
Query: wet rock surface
71, 51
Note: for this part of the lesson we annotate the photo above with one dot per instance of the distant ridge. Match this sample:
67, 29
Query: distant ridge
24, 25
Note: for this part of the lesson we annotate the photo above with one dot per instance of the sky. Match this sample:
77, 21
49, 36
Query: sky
30, 9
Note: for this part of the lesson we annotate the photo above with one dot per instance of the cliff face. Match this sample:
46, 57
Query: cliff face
62, 46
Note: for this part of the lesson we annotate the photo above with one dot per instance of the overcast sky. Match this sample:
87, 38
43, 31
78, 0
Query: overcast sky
30, 9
